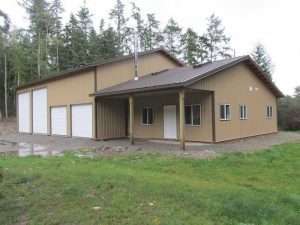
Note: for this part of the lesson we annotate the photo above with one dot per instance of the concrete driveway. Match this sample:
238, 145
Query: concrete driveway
23, 145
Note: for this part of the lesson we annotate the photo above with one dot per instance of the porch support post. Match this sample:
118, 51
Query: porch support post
181, 120
131, 119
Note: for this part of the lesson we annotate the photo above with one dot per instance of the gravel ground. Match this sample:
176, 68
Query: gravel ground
22, 144
8, 127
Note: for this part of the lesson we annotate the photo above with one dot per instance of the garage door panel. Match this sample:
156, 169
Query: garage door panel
24, 112
39, 111
82, 120
59, 120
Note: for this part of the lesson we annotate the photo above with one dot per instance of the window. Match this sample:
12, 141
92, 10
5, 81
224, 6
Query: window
147, 116
243, 112
196, 109
188, 114
225, 112
269, 111
193, 115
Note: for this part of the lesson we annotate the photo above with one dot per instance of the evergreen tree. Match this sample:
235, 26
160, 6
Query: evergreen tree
172, 37
288, 111
108, 43
152, 34
102, 25
4, 38
84, 20
38, 11
217, 41
297, 92
202, 49
18, 61
85, 26
19, 57
94, 48
74, 53
262, 58
4, 22
139, 25
117, 15
56, 9
190, 47
76, 39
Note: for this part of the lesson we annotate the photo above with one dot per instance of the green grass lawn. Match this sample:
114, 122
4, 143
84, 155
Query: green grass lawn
257, 189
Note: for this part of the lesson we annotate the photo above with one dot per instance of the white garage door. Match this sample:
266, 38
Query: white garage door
39, 111
24, 112
59, 120
82, 121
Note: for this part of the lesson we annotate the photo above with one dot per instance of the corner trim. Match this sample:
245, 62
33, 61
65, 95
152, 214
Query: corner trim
213, 109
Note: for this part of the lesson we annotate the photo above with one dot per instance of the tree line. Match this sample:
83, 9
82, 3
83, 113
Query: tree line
289, 111
48, 45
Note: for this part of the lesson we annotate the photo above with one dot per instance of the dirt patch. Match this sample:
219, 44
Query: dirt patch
8, 127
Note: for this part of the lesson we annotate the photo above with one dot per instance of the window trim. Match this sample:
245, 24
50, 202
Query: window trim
225, 119
192, 121
245, 112
142, 114
269, 112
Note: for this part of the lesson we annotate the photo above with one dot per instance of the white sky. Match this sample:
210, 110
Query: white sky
274, 23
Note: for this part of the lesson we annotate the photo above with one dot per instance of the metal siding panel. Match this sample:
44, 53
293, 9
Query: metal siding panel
111, 119
233, 86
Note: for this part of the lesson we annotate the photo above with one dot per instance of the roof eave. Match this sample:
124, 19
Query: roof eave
264, 76
138, 90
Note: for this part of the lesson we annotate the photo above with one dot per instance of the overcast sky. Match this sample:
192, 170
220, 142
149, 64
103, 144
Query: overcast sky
274, 23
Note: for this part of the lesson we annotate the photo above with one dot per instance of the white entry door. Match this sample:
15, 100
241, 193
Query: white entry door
24, 112
170, 122
82, 121
39, 111
59, 120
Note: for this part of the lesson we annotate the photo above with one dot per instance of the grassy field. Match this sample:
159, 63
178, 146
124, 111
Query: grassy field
257, 189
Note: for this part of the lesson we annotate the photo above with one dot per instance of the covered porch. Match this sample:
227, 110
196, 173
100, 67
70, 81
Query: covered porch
184, 115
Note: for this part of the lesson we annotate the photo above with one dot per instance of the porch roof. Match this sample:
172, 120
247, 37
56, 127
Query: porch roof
183, 77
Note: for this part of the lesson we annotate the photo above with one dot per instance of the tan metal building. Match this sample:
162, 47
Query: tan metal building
213, 102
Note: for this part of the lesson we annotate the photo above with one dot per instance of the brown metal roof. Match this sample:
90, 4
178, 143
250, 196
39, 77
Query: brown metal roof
75, 71
184, 77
